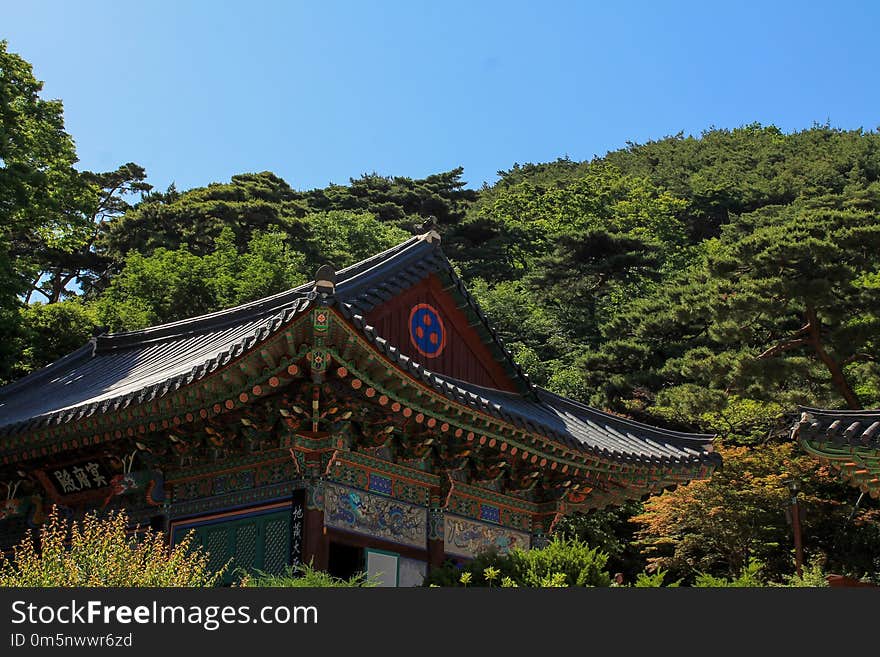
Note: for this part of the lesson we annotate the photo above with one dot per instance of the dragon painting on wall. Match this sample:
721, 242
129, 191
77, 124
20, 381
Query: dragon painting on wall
466, 538
374, 515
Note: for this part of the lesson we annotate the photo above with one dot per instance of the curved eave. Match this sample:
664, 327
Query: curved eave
616, 439
859, 467
362, 286
845, 427
194, 368
846, 440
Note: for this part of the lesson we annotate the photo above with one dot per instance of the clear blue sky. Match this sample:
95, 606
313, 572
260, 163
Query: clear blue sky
322, 91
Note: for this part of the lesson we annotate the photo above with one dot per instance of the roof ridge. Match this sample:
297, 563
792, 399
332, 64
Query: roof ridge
366, 268
843, 412
226, 316
382, 256
665, 433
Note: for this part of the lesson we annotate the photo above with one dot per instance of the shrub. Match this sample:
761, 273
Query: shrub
656, 579
100, 551
564, 562
750, 576
472, 573
813, 576
753, 575
305, 576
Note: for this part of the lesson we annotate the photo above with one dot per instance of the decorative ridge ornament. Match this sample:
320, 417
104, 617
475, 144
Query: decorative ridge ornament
431, 237
325, 280
429, 231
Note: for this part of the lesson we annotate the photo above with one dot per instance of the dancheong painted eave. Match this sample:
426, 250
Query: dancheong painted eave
112, 371
847, 440
116, 372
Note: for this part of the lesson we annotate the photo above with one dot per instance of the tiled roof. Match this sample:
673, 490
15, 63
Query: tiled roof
567, 421
115, 371
855, 428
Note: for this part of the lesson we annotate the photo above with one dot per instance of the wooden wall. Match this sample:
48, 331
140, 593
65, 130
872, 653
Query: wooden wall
464, 356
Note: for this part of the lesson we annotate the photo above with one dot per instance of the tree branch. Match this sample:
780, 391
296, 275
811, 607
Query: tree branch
838, 378
43, 292
861, 356
784, 346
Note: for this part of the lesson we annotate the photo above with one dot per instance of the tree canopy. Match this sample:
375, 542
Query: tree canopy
705, 282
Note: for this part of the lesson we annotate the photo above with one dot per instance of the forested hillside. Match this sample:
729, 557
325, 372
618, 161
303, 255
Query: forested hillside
709, 283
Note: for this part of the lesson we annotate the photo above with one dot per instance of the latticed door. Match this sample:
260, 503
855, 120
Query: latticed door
255, 542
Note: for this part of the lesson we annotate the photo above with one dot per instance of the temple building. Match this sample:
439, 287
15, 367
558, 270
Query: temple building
848, 441
369, 420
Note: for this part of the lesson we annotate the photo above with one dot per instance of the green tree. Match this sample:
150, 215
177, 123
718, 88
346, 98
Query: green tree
263, 202
800, 279
526, 220
399, 200
193, 220
343, 238
50, 331
77, 262
170, 285
50, 214
41, 194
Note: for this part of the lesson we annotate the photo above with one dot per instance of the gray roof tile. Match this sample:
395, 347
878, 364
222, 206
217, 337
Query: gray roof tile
856, 428
115, 370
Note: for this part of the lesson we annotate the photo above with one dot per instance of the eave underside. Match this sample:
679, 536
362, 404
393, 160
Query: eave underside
848, 441
461, 431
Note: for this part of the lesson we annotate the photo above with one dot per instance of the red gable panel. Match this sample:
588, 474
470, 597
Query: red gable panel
425, 323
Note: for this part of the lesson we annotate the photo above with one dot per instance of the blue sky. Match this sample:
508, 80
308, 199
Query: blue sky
322, 91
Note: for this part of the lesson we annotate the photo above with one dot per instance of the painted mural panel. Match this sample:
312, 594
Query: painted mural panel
465, 537
358, 511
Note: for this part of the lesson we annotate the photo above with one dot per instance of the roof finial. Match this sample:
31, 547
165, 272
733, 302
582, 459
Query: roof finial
429, 230
325, 279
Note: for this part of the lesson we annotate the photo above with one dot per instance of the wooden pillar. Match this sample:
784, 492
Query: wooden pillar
315, 544
436, 531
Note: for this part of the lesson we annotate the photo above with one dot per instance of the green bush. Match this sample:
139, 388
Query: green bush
562, 563
472, 572
654, 580
102, 552
753, 575
577, 562
305, 576
750, 576
813, 576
